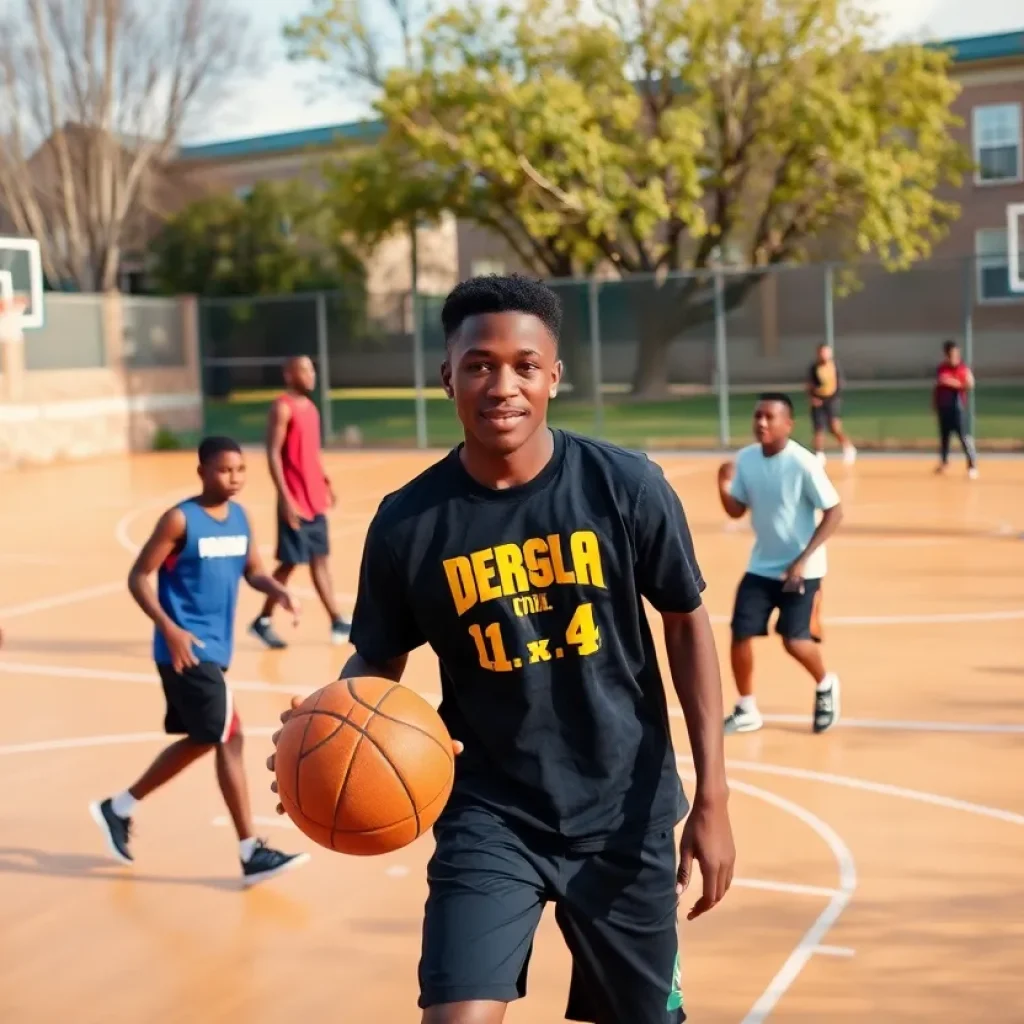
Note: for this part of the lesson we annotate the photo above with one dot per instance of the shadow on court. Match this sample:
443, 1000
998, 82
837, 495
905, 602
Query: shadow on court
22, 860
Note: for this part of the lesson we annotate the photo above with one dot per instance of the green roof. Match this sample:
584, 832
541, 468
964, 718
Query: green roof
967, 50
284, 142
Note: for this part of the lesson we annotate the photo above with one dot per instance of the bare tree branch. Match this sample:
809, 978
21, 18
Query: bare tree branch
94, 97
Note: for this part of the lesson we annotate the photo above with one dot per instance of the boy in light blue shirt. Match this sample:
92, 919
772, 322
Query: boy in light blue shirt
794, 509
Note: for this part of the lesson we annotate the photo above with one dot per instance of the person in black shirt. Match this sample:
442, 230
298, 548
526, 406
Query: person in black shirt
522, 559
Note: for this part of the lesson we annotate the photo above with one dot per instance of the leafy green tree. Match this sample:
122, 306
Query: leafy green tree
278, 239
654, 137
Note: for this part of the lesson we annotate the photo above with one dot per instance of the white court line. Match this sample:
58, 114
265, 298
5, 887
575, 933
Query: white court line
141, 678
897, 724
834, 951
45, 604
805, 948
31, 668
881, 788
945, 618
789, 888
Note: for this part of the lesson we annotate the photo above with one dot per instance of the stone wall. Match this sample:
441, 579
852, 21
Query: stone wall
48, 415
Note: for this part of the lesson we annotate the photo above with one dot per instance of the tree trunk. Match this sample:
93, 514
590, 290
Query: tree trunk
663, 312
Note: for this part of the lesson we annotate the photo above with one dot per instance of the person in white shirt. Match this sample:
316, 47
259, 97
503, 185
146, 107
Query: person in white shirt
785, 488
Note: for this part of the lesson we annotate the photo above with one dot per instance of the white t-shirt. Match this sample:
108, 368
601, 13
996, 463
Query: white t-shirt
785, 493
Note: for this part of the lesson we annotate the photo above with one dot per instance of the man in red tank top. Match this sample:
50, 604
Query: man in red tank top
304, 495
953, 380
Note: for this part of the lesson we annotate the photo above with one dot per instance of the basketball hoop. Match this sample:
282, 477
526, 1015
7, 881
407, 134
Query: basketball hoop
12, 312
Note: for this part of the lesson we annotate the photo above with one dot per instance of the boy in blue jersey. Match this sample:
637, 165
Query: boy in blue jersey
200, 549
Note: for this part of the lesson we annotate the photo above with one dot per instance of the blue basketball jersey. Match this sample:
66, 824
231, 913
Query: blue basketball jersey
198, 586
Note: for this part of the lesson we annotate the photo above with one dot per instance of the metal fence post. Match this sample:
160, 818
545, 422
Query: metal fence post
323, 357
721, 361
594, 292
418, 368
830, 322
972, 425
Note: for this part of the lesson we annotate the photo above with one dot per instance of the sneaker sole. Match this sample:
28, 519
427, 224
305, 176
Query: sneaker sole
97, 815
264, 876
339, 639
738, 729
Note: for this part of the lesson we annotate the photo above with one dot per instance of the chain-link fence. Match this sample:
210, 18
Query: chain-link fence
650, 361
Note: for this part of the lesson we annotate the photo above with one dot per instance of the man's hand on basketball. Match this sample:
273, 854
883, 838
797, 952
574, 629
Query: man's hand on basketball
707, 838
182, 644
457, 747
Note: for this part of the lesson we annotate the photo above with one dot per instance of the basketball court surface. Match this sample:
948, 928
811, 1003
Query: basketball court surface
880, 871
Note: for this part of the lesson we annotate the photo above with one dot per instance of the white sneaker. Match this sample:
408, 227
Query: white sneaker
972, 474
849, 455
826, 705
743, 721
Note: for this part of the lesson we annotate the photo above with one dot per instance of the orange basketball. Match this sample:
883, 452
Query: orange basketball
364, 766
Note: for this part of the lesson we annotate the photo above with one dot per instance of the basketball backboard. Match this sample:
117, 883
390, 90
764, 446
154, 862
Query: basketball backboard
1014, 240
21, 274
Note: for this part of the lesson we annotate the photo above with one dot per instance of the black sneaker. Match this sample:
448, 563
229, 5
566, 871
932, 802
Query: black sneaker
826, 706
116, 830
263, 629
340, 631
266, 862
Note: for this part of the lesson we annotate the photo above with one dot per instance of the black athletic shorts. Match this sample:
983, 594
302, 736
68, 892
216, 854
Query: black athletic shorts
823, 415
298, 547
488, 885
199, 703
758, 596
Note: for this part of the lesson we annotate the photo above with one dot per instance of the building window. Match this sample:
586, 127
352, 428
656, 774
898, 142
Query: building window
997, 142
993, 264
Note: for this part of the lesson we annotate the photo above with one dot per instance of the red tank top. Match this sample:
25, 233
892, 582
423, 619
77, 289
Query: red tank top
300, 458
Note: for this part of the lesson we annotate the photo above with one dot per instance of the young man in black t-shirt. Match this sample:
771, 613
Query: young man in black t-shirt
521, 558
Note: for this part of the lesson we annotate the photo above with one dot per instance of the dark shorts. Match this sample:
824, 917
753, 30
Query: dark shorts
199, 703
758, 596
309, 541
488, 886
823, 415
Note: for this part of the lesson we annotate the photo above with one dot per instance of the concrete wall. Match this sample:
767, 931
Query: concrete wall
53, 414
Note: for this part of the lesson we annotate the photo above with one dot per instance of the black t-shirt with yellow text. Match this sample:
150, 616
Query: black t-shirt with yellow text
531, 599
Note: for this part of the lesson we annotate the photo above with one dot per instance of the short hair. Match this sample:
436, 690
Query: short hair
777, 396
496, 293
948, 346
211, 447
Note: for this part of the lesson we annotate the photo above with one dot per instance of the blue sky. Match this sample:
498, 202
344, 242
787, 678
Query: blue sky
286, 97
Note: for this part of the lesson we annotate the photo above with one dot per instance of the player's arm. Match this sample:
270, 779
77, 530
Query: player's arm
277, 428
669, 577
166, 538
732, 492
825, 498
259, 579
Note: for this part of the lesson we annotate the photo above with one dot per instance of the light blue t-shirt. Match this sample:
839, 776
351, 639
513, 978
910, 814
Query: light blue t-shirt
784, 493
